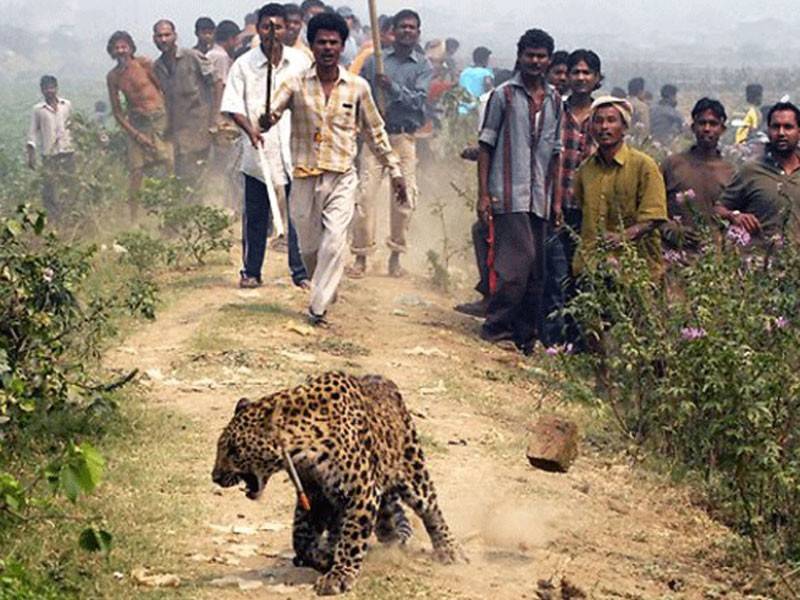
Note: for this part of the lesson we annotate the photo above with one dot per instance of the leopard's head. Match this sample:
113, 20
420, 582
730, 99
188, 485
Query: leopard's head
248, 450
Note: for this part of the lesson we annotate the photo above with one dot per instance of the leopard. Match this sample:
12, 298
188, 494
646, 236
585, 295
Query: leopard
358, 455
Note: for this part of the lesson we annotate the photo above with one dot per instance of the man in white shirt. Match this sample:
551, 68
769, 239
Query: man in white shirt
50, 133
244, 100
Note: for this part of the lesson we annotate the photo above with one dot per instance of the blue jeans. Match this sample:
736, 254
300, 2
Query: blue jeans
256, 223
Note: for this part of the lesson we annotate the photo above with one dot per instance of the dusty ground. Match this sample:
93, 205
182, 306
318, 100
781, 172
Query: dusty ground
611, 531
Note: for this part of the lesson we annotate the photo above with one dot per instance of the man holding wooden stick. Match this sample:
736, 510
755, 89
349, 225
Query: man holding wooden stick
329, 105
401, 84
266, 159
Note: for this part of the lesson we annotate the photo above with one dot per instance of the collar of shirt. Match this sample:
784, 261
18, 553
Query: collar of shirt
695, 152
768, 160
619, 158
345, 76
43, 104
391, 51
260, 59
549, 90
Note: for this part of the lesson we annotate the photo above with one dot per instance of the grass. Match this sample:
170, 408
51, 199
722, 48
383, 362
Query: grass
135, 502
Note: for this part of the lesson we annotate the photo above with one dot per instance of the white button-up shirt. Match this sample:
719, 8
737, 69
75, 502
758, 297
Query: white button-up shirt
49, 130
246, 94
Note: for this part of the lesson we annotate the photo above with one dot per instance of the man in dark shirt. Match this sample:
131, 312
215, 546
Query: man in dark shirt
695, 179
402, 91
186, 77
764, 197
665, 120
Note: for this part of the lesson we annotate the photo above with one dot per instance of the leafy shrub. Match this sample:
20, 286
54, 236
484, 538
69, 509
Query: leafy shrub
193, 230
707, 374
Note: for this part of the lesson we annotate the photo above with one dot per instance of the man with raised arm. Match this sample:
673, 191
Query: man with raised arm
329, 106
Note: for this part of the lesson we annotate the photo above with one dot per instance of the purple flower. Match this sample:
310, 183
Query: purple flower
781, 322
674, 256
777, 241
690, 334
561, 349
690, 194
738, 235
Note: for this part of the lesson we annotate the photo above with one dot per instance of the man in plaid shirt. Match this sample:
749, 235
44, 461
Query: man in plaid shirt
329, 105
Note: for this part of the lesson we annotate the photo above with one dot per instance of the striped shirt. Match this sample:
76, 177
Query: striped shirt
577, 146
324, 133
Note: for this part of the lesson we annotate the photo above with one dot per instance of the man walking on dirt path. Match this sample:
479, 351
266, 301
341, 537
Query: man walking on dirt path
49, 132
144, 118
244, 101
329, 106
404, 89
191, 92
518, 190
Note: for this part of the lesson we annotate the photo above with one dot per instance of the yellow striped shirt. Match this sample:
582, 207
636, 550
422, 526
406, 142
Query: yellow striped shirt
324, 133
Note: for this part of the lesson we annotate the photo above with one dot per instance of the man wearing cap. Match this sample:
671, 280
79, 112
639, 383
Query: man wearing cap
519, 191
620, 191
403, 87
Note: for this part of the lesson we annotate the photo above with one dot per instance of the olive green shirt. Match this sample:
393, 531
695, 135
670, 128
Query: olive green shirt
764, 189
614, 196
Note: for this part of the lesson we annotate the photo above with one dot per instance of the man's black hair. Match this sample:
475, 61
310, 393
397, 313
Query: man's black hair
226, 30
536, 38
307, 5
714, 106
117, 36
204, 24
636, 86
588, 56
47, 80
781, 106
618, 92
406, 13
273, 9
293, 9
668, 91
754, 93
385, 23
328, 22
481, 55
164, 22
559, 58
250, 19
451, 45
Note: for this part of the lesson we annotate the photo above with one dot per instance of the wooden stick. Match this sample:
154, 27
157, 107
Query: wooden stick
376, 47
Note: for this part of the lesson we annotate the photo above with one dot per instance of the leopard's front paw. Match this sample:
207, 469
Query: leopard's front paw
334, 582
450, 554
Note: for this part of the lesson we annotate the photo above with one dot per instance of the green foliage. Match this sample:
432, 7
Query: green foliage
706, 374
93, 539
77, 472
17, 583
194, 230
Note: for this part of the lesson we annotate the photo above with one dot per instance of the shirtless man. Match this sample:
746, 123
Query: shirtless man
145, 120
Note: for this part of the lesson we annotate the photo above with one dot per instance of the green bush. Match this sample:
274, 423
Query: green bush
707, 373
193, 230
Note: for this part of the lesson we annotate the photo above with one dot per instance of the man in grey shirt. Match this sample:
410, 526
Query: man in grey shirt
191, 92
518, 190
401, 93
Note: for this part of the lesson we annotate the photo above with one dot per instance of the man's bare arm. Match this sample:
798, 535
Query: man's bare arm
484, 199
244, 124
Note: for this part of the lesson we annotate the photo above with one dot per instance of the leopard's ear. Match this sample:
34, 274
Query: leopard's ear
241, 405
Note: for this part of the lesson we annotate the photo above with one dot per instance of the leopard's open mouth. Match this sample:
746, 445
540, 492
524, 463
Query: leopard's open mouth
253, 485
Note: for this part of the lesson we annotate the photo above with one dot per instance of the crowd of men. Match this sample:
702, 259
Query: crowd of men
560, 185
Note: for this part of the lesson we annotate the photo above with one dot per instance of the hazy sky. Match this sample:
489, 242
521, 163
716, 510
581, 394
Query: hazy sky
608, 25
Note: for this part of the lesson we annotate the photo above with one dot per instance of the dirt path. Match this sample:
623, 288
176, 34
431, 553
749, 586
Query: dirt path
611, 531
